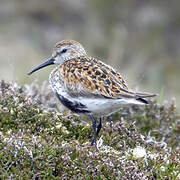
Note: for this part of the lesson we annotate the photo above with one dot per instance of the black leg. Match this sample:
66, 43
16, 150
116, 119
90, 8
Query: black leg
99, 126
94, 128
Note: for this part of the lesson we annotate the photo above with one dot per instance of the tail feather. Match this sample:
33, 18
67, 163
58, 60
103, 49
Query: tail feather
144, 95
142, 100
141, 96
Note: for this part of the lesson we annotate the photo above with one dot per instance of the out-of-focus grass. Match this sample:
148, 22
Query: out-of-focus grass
40, 140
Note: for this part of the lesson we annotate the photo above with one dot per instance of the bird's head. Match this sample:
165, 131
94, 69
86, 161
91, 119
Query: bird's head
63, 51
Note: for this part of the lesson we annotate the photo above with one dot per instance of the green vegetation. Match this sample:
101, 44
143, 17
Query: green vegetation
36, 141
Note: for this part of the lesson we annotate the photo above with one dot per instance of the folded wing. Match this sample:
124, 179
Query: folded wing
89, 77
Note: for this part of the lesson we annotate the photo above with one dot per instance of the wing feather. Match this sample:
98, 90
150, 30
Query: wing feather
89, 77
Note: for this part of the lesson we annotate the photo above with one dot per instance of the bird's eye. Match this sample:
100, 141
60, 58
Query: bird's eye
64, 50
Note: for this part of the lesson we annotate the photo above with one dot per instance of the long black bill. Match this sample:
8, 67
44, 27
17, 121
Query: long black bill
46, 63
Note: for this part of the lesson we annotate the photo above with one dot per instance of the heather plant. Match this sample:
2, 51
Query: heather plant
40, 139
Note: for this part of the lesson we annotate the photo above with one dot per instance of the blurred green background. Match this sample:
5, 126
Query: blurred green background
139, 38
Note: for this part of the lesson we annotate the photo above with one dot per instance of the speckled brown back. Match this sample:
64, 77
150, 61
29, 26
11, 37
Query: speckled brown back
88, 75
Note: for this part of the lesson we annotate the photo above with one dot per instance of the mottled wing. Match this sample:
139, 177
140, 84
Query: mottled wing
87, 76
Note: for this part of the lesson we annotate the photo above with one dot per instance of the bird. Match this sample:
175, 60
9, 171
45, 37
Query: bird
86, 85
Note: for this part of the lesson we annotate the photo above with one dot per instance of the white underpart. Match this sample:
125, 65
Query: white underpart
106, 106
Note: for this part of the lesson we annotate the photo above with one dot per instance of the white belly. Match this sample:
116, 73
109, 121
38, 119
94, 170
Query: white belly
106, 106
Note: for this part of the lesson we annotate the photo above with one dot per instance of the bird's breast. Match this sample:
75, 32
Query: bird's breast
56, 82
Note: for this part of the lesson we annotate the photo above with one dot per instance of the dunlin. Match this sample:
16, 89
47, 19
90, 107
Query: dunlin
86, 85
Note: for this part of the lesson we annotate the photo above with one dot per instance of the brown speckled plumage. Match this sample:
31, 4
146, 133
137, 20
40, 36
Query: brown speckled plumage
94, 77
67, 43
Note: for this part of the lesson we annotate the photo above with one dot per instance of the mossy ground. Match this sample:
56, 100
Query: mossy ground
37, 142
